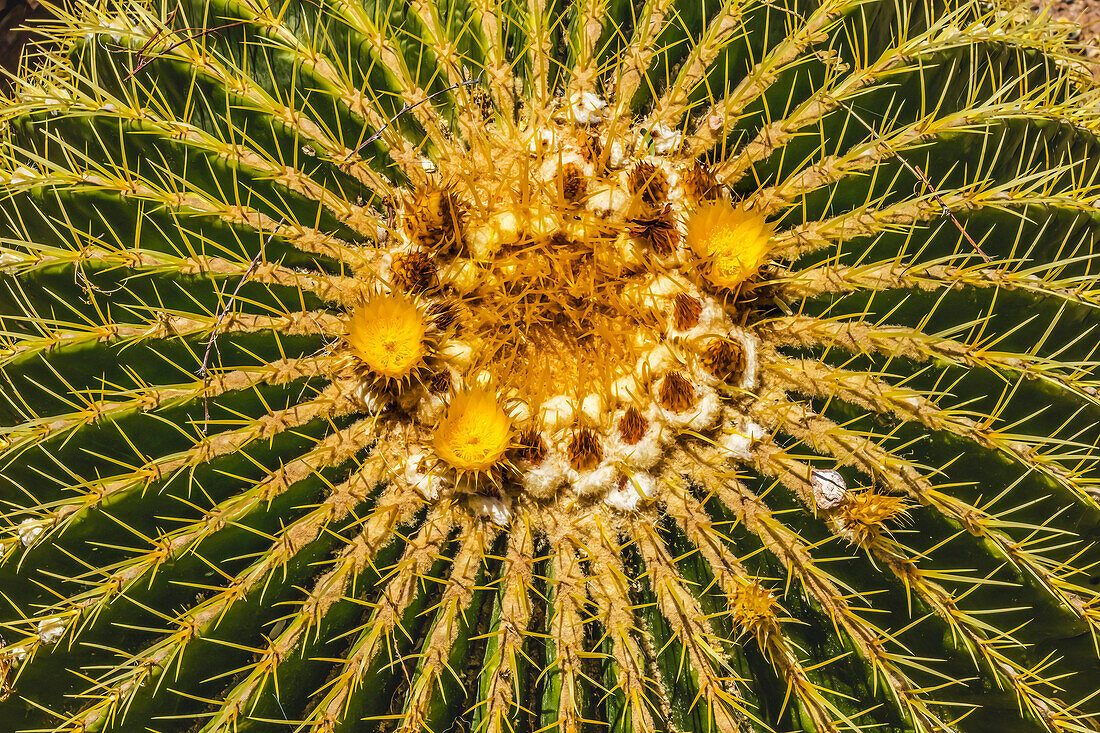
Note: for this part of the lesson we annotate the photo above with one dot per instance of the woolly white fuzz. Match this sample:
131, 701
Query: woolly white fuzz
712, 321
830, 490
50, 630
700, 416
463, 275
646, 452
369, 402
430, 409
22, 174
544, 480
657, 361
751, 344
739, 442
519, 411
606, 200
707, 411
457, 353
626, 389
630, 253
637, 488
9, 261
585, 108
421, 479
491, 507
593, 407
29, 531
665, 140
599, 480
557, 412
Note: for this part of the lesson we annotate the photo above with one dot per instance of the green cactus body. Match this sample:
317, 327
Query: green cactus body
675, 365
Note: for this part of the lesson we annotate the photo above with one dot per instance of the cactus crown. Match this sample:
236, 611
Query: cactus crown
684, 365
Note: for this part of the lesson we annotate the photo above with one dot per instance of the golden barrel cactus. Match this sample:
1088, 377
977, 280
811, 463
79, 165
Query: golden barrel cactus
498, 366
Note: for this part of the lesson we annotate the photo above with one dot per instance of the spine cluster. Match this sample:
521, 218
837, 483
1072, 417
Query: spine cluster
556, 312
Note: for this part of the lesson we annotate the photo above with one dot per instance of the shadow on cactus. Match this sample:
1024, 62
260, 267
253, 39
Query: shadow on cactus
495, 366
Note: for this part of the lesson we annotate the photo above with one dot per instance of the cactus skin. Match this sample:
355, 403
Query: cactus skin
580, 367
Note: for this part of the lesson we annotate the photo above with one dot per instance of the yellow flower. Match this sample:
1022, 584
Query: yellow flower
475, 433
730, 242
387, 334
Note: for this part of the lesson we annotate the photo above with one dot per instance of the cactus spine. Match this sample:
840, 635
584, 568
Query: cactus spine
672, 365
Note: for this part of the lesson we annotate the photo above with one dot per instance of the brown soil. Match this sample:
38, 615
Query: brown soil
1085, 15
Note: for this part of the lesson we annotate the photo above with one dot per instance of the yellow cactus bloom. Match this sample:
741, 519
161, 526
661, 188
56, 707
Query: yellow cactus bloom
475, 433
387, 334
730, 242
